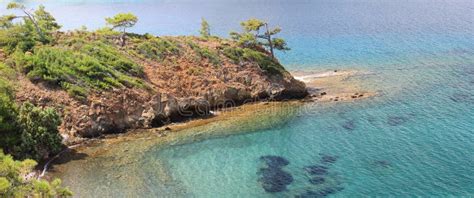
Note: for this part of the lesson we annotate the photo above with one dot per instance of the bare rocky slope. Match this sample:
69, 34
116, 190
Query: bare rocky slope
183, 77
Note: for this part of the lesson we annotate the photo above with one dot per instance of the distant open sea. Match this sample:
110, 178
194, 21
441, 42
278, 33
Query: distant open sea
416, 138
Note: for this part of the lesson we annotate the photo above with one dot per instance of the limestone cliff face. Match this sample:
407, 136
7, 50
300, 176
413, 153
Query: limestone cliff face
122, 109
180, 87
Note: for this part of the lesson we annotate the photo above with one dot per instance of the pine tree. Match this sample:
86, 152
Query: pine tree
205, 29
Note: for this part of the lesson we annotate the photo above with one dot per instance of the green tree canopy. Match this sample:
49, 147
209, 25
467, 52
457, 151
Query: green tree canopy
205, 29
35, 26
252, 25
253, 36
15, 180
122, 21
46, 21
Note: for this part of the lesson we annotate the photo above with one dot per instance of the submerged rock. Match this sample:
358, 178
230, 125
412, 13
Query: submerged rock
308, 194
317, 180
382, 163
329, 190
317, 170
274, 161
275, 179
349, 125
328, 159
320, 193
396, 120
460, 97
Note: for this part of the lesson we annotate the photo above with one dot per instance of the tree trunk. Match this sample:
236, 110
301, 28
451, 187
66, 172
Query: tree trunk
122, 38
269, 38
33, 20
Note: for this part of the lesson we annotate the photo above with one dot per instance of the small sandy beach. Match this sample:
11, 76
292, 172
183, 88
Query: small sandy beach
334, 85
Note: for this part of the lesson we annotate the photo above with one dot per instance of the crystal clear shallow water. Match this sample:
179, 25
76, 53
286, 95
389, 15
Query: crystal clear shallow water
415, 139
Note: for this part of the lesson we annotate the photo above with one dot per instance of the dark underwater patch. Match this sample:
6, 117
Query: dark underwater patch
396, 120
323, 181
274, 179
316, 170
460, 97
274, 161
382, 163
317, 180
308, 194
469, 70
320, 193
349, 125
329, 190
328, 159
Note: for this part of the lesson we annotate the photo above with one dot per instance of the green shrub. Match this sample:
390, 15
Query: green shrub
107, 31
205, 53
8, 109
17, 37
264, 61
234, 53
7, 114
111, 57
75, 91
14, 184
78, 71
39, 132
156, 48
27, 132
7, 72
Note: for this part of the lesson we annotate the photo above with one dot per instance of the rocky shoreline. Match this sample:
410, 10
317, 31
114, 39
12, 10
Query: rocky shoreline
321, 89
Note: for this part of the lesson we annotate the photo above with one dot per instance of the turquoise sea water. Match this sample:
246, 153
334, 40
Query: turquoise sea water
415, 139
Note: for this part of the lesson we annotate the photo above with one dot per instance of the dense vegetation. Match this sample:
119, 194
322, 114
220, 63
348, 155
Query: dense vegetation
26, 131
81, 68
264, 61
153, 48
16, 182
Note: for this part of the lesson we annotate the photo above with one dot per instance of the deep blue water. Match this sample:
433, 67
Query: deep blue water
415, 139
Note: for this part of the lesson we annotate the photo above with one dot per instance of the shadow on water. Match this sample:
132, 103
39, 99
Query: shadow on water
66, 157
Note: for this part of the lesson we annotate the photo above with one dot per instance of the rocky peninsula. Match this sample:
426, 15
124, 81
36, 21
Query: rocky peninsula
190, 77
